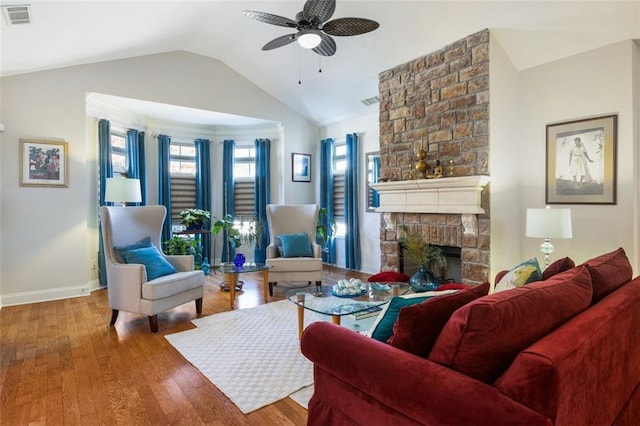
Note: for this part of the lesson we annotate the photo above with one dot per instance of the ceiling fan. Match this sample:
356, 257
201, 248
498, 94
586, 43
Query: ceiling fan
314, 32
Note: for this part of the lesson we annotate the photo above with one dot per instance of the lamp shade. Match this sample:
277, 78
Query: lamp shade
121, 190
549, 223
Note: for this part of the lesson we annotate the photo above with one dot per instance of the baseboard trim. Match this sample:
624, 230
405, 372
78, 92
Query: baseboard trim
48, 295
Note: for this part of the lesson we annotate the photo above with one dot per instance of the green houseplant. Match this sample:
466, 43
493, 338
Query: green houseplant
239, 230
325, 228
194, 218
182, 245
422, 254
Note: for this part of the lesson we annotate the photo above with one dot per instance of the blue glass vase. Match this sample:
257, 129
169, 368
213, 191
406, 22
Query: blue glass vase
423, 280
238, 260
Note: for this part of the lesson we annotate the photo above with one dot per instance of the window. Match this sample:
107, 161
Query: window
339, 167
182, 166
119, 153
244, 170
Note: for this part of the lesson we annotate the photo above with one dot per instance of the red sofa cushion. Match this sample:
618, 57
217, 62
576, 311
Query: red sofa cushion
608, 272
389, 277
558, 266
418, 326
483, 337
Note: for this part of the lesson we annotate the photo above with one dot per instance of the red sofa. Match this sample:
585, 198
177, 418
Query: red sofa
563, 351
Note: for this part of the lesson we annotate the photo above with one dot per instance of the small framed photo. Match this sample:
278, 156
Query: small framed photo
44, 163
301, 167
581, 161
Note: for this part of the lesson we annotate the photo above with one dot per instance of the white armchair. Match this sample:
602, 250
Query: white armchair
127, 284
288, 220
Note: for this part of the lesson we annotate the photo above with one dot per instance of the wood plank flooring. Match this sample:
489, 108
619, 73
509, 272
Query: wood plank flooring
61, 364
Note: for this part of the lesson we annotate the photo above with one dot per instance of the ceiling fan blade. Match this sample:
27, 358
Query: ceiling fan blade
349, 26
268, 18
327, 46
279, 42
320, 10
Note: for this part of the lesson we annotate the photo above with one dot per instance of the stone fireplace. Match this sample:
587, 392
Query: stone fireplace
438, 103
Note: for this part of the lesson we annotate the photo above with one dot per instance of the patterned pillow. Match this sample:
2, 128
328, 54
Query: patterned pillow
525, 273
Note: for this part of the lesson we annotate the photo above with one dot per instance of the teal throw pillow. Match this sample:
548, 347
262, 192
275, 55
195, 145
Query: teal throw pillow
524, 273
155, 264
145, 242
279, 245
296, 245
382, 328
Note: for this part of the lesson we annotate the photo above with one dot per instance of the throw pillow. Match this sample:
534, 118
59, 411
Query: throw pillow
418, 326
389, 277
145, 242
279, 245
608, 272
482, 338
524, 273
382, 328
153, 261
296, 245
558, 266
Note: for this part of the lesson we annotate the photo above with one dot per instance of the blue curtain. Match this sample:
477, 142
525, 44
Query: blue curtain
262, 183
136, 170
105, 171
203, 185
228, 196
164, 182
326, 190
352, 237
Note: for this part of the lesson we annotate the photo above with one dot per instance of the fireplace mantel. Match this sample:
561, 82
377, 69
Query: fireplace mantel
461, 194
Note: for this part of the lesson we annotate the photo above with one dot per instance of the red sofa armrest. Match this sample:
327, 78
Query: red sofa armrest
418, 388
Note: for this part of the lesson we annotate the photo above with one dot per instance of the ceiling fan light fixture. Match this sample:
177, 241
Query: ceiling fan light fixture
309, 38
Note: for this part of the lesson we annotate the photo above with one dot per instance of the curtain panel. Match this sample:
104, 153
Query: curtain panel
262, 183
228, 195
326, 191
164, 182
352, 237
203, 187
105, 170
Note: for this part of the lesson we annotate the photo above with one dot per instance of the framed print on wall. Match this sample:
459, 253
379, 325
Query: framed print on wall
581, 161
301, 167
44, 163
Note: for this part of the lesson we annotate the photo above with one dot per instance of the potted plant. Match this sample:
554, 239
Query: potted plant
325, 228
194, 219
239, 230
417, 251
182, 245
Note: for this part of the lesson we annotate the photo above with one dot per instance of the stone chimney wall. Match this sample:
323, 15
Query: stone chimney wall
439, 103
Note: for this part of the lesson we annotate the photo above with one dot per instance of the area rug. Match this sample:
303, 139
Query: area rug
252, 355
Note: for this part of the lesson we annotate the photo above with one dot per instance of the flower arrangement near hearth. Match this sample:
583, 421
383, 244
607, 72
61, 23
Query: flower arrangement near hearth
424, 255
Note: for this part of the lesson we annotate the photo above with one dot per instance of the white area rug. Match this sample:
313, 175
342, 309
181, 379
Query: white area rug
252, 355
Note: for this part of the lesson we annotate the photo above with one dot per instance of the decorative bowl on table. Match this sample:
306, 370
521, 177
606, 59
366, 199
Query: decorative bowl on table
349, 288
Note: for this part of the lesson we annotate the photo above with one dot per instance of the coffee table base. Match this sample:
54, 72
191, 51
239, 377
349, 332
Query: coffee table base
334, 319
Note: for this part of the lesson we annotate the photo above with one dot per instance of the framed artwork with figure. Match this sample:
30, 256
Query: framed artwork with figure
44, 163
581, 161
301, 167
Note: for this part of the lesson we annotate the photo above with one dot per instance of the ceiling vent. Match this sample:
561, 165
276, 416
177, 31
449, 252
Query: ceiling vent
17, 14
370, 101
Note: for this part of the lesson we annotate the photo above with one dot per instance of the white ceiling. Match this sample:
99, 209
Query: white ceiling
531, 32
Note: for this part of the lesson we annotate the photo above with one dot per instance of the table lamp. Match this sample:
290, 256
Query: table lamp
548, 223
123, 190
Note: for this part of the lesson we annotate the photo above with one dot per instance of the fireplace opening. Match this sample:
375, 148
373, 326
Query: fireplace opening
453, 274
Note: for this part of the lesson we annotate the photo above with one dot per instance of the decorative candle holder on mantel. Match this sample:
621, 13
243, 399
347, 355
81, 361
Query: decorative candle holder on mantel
421, 165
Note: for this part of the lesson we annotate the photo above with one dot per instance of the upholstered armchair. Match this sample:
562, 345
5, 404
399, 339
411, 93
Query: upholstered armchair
293, 256
140, 278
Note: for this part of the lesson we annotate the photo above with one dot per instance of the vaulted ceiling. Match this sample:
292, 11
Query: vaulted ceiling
531, 32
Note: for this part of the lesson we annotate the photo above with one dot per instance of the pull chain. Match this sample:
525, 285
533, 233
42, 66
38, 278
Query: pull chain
299, 80
319, 63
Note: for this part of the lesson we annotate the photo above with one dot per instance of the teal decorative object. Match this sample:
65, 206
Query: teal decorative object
423, 280
205, 267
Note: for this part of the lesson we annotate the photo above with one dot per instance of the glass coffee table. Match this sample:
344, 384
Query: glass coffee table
324, 302
232, 271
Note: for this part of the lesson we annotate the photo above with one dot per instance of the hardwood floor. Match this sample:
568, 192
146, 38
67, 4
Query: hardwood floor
61, 364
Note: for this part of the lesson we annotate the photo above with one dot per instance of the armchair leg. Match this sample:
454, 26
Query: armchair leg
271, 284
114, 316
153, 323
199, 305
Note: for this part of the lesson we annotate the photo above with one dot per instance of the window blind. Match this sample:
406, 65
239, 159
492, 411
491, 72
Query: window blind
183, 195
244, 197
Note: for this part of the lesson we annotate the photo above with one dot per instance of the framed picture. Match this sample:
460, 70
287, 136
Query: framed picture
43, 163
581, 161
301, 167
